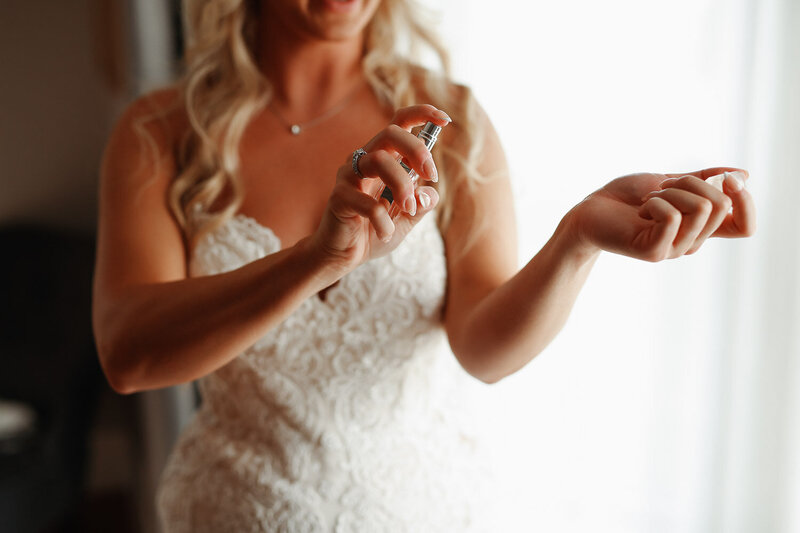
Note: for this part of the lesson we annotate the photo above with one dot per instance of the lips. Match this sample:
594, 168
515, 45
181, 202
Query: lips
341, 6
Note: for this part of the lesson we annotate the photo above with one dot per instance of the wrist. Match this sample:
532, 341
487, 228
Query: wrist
571, 241
326, 268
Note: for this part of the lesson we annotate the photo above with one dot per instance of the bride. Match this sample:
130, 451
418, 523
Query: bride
243, 242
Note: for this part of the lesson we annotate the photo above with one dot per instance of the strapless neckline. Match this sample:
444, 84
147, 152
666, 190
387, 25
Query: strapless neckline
266, 230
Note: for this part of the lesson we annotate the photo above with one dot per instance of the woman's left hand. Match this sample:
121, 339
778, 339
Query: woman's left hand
661, 216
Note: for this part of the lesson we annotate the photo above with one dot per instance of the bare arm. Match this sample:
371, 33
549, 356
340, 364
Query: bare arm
153, 326
497, 321
498, 334
160, 334
498, 318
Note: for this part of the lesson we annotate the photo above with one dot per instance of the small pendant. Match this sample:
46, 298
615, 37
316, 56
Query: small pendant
295, 129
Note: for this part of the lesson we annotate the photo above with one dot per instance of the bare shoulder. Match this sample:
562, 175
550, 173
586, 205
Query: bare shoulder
158, 113
139, 241
141, 151
165, 103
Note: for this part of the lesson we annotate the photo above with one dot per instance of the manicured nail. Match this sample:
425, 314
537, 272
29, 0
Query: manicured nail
716, 181
734, 181
388, 235
410, 206
741, 174
442, 115
430, 170
424, 199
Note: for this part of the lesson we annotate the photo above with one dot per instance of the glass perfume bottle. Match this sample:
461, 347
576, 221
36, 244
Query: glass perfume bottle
429, 133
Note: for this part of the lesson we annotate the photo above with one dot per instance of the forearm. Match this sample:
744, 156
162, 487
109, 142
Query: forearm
516, 321
156, 335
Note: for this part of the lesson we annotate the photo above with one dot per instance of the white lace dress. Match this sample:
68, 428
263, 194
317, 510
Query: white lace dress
350, 416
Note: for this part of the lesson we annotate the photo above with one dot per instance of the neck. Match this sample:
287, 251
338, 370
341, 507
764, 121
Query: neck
308, 75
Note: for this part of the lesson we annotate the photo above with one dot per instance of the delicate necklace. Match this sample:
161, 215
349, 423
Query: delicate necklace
297, 128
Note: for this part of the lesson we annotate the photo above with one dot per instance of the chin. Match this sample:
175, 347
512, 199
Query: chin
333, 20
337, 32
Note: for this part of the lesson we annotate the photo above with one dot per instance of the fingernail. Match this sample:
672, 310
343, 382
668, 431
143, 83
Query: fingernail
430, 170
716, 181
648, 196
734, 181
441, 114
741, 174
424, 199
667, 181
410, 206
388, 236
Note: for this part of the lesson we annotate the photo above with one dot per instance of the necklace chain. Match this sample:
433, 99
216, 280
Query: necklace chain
296, 128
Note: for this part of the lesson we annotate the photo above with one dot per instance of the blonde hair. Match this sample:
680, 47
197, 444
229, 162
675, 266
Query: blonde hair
222, 89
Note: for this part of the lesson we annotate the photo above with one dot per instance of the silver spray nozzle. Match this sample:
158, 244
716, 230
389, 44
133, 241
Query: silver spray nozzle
429, 133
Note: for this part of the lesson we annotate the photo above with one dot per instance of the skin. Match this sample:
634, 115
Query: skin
157, 327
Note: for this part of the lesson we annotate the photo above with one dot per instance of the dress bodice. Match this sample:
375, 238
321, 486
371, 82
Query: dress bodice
349, 416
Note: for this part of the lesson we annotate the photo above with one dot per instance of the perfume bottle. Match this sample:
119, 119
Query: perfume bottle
429, 133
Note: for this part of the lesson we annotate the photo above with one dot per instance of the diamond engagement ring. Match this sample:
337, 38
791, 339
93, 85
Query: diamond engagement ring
356, 156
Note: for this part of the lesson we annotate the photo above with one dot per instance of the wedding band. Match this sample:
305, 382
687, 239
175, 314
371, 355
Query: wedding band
356, 156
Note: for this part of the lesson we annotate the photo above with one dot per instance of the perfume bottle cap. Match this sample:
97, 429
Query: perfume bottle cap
429, 133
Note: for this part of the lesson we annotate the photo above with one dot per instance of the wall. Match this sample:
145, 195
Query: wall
56, 108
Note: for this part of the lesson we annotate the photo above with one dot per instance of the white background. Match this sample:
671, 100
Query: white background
670, 401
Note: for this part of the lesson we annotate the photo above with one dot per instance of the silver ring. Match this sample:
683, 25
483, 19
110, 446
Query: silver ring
356, 156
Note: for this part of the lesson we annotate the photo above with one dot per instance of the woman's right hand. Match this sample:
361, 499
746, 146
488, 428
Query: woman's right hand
356, 226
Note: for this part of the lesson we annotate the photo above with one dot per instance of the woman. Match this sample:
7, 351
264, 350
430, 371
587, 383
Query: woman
241, 242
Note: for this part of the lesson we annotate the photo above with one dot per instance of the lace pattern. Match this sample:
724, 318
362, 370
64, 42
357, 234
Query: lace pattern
349, 416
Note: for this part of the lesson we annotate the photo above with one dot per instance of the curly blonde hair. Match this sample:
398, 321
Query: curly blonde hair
222, 89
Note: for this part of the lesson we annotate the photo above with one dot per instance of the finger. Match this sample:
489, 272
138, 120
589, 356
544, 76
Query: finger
708, 172
715, 180
417, 115
410, 148
381, 165
347, 202
741, 222
374, 166
667, 221
696, 211
346, 174
720, 204
428, 199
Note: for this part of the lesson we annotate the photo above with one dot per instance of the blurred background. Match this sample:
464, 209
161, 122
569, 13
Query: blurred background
670, 401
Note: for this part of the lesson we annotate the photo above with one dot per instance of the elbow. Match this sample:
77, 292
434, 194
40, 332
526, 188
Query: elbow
492, 366
121, 383
118, 367
487, 377
482, 367
121, 351
121, 380
487, 354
